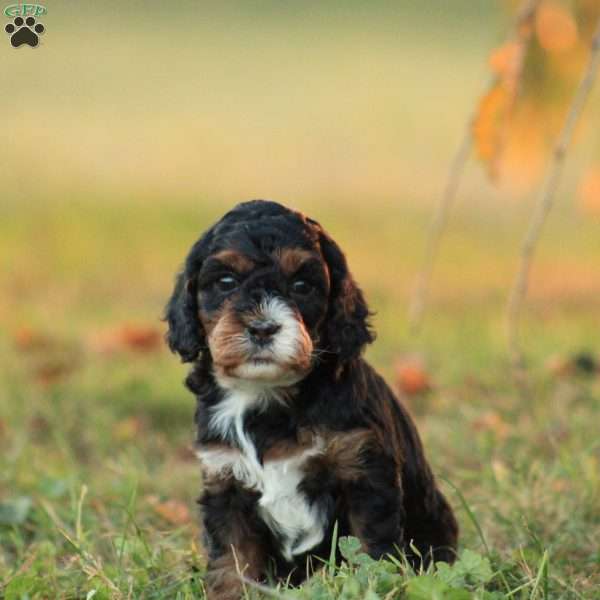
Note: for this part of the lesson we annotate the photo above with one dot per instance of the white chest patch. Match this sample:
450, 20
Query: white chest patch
282, 506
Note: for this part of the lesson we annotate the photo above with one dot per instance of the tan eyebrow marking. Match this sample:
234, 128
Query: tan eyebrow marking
236, 260
291, 259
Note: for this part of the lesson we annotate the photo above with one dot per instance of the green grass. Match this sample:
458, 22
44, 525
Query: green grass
89, 460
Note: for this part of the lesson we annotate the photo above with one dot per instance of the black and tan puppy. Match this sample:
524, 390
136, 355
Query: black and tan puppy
295, 430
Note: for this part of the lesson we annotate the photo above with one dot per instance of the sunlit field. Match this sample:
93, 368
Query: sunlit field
121, 146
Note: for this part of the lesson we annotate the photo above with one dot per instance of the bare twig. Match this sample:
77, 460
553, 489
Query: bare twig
436, 230
545, 202
440, 217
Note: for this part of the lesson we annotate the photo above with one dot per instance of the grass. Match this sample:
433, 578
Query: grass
97, 478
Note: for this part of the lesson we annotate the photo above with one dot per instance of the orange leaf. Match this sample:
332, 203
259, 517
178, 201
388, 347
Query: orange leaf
555, 27
504, 60
559, 365
53, 371
27, 340
412, 378
492, 421
560, 485
589, 192
137, 338
142, 339
173, 511
488, 125
494, 118
582, 363
525, 148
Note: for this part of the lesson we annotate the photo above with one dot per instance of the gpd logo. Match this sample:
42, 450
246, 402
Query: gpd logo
24, 29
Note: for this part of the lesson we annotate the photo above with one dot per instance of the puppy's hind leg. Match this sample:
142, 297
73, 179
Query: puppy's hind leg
432, 530
375, 508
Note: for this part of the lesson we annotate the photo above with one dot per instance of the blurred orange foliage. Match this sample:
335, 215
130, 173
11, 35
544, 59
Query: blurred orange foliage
491, 124
589, 192
535, 73
555, 27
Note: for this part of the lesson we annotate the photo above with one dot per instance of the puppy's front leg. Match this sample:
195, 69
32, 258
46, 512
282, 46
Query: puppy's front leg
234, 544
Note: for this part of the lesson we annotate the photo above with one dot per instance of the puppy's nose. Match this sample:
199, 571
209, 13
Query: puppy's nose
262, 331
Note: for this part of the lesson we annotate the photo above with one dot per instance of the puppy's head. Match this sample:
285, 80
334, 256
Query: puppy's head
263, 293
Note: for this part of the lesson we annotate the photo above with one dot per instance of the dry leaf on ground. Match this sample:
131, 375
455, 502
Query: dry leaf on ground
173, 511
412, 377
126, 337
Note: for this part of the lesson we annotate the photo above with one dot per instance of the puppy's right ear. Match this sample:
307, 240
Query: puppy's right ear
185, 335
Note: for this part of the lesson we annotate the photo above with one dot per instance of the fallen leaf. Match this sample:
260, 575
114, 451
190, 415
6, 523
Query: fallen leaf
26, 339
52, 371
411, 377
137, 338
558, 365
142, 339
560, 485
39, 425
173, 511
583, 363
493, 422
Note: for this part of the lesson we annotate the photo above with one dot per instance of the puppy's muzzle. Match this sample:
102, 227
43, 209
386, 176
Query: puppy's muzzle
262, 331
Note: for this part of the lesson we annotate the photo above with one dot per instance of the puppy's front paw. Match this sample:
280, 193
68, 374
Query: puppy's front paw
222, 581
224, 592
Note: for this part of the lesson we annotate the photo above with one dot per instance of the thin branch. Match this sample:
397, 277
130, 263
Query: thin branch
545, 202
437, 228
440, 217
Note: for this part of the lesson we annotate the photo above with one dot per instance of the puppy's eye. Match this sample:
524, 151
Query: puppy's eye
227, 283
301, 287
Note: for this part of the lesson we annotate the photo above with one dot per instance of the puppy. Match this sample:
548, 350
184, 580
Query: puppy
295, 430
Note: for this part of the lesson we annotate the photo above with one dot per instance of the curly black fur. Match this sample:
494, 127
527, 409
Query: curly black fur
371, 478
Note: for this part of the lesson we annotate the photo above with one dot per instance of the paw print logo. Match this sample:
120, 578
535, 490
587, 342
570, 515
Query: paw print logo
24, 31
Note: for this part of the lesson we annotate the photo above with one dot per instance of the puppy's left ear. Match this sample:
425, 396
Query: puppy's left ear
347, 327
185, 335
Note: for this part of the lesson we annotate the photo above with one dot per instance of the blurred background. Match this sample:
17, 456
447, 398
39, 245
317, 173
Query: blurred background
134, 125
